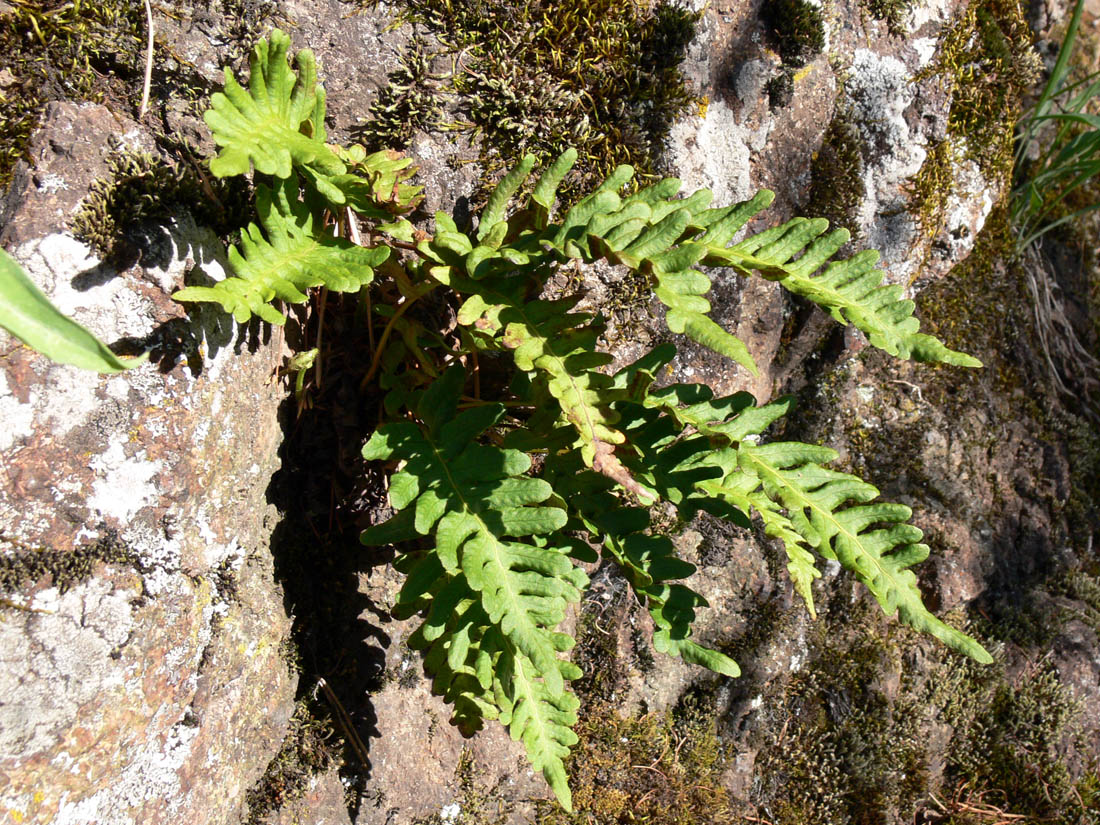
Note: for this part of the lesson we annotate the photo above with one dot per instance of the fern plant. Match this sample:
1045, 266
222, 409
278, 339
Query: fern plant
494, 544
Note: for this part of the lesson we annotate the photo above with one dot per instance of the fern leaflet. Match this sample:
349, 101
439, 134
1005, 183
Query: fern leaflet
286, 257
278, 123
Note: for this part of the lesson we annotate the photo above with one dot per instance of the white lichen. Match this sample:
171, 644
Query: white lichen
124, 484
712, 153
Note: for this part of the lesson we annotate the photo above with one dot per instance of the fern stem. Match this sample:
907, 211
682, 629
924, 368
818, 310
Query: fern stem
377, 360
320, 333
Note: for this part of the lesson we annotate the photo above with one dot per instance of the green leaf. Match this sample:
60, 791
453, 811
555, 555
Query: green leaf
496, 208
542, 198
28, 315
278, 122
288, 256
832, 513
850, 290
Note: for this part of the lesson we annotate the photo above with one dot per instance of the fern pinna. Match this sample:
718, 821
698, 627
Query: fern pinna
494, 545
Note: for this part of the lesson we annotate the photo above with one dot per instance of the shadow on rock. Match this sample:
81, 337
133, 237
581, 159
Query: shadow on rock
323, 491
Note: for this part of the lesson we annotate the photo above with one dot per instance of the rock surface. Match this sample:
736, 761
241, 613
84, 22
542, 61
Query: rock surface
148, 685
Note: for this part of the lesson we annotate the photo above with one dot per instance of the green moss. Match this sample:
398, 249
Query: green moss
660, 768
64, 568
77, 51
852, 739
796, 29
836, 176
780, 90
410, 103
892, 12
987, 63
1010, 741
931, 188
600, 75
845, 747
142, 188
305, 752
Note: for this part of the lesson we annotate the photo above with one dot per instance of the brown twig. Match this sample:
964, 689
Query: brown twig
344, 721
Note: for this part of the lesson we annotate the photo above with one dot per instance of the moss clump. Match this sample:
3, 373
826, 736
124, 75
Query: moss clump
49, 50
658, 767
141, 188
796, 29
932, 186
892, 12
780, 90
1010, 741
64, 568
847, 748
836, 176
600, 75
850, 740
988, 65
410, 103
305, 752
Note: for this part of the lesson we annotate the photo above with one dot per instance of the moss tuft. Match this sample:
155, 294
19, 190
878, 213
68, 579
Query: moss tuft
600, 75
64, 568
77, 51
410, 103
796, 28
853, 737
657, 767
891, 12
780, 90
305, 752
142, 188
1010, 741
836, 176
988, 65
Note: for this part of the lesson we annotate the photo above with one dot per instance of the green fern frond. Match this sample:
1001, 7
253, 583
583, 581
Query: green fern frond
666, 238
559, 346
286, 257
491, 602
472, 499
649, 562
834, 514
278, 123
850, 290
375, 186
541, 719
490, 548
814, 496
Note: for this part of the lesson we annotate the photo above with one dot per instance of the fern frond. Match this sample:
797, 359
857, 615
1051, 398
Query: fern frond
813, 495
290, 254
278, 123
834, 514
560, 346
649, 562
850, 290
539, 718
375, 186
495, 585
668, 238
472, 499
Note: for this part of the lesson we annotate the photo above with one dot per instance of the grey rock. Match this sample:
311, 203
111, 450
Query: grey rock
156, 690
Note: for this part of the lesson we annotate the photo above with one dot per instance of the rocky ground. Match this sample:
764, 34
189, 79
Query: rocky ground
190, 627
